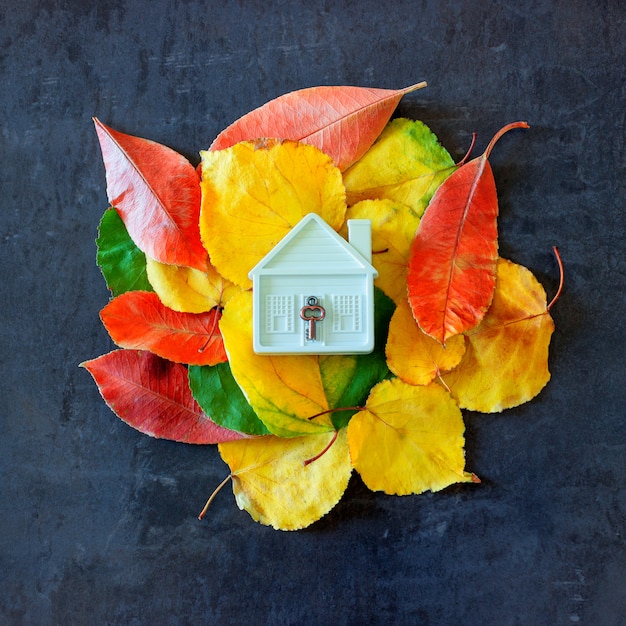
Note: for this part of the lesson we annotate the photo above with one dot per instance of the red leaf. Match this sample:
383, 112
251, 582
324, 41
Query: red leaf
153, 396
343, 122
452, 263
156, 191
138, 320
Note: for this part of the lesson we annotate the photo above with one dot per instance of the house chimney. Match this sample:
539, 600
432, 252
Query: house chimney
360, 237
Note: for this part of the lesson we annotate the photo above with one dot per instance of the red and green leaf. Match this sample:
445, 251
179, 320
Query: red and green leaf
137, 320
452, 263
156, 191
343, 122
153, 396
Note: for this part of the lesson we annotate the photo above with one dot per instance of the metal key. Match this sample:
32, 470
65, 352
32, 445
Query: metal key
312, 313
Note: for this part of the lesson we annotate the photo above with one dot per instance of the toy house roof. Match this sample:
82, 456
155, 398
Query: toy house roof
312, 247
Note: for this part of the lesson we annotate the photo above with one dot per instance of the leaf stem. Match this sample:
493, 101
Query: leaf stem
469, 151
212, 334
443, 382
504, 129
345, 408
212, 496
323, 452
561, 279
414, 87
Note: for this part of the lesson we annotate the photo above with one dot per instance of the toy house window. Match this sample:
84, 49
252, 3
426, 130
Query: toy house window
279, 314
346, 314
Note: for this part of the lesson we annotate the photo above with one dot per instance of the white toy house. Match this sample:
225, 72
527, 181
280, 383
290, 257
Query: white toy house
313, 293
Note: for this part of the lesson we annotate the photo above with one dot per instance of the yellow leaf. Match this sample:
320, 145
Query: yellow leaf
253, 194
408, 439
393, 230
406, 165
506, 361
413, 355
271, 482
284, 391
188, 290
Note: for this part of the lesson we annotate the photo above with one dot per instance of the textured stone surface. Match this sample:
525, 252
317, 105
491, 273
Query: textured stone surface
98, 522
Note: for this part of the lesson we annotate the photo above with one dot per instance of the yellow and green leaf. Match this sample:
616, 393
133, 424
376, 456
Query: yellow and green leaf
406, 164
284, 391
218, 394
348, 379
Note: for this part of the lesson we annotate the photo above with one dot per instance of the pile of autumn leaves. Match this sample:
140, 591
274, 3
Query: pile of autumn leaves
456, 326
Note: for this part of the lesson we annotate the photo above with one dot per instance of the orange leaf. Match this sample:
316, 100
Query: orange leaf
343, 122
153, 396
137, 320
156, 191
452, 264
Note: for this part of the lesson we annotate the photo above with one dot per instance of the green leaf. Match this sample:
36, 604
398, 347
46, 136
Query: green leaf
122, 264
347, 380
219, 396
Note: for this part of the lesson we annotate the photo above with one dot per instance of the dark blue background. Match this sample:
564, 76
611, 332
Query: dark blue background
98, 522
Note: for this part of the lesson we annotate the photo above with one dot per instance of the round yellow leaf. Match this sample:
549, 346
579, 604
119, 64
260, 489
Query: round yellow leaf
506, 361
271, 482
393, 230
408, 439
188, 290
413, 355
254, 193
284, 391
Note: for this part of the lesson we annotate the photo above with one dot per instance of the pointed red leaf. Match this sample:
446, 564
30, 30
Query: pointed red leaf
156, 191
452, 263
138, 320
153, 396
343, 122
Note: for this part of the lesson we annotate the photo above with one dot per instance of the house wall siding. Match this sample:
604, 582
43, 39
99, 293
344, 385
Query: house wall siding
345, 328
